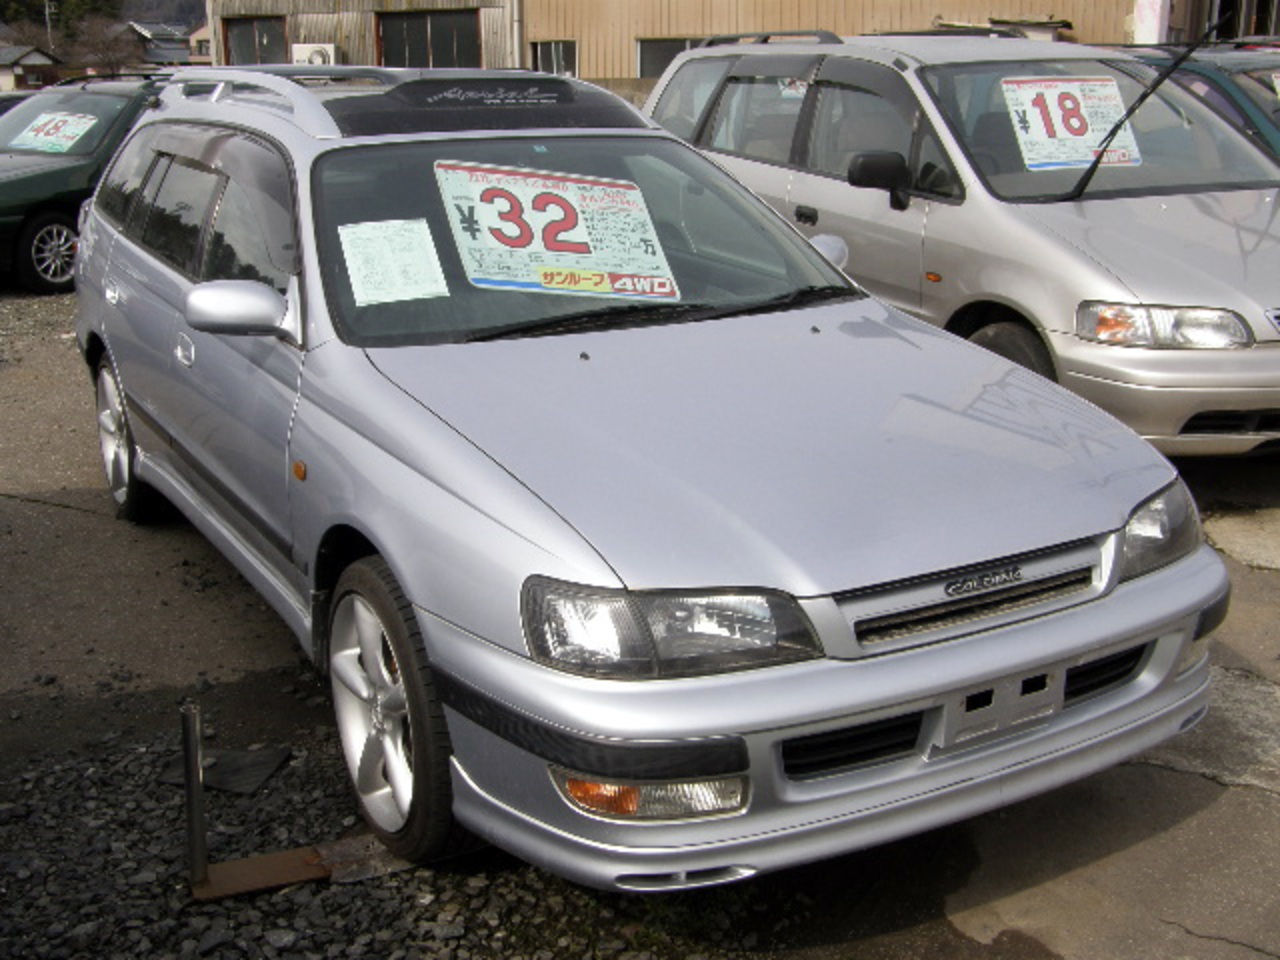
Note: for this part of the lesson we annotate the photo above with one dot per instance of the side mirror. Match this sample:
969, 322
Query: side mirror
833, 248
236, 308
882, 170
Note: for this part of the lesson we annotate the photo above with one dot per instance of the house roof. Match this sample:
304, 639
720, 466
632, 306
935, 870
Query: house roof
14, 55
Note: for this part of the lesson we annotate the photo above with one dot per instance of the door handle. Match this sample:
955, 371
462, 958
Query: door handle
185, 351
807, 215
111, 293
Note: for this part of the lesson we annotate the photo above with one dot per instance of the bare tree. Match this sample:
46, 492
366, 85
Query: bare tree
105, 45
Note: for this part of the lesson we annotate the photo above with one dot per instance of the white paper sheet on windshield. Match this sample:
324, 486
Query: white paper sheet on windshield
391, 260
550, 232
1060, 121
54, 132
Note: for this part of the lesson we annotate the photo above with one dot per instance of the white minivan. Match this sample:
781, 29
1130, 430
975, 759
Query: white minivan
960, 172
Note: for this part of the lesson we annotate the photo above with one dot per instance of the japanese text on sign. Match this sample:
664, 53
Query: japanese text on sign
1060, 121
54, 132
553, 233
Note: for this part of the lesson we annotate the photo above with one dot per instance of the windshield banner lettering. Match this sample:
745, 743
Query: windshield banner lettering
54, 132
553, 233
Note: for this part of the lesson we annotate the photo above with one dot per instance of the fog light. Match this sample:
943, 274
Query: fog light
648, 800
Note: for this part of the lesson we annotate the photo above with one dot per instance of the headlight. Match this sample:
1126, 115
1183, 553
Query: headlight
616, 633
1164, 529
1134, 325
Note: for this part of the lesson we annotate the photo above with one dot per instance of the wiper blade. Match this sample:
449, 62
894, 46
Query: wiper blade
598, 319
800, 297
1083, 183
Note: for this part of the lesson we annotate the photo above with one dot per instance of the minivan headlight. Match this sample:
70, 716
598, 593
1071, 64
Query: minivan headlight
640, 635
1136, 325
1164, 529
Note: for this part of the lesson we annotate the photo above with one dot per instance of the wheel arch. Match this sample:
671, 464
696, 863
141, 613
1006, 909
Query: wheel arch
341, 546
95, 348
972, 317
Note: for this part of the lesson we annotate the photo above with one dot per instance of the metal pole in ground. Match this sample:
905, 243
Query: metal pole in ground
197, 851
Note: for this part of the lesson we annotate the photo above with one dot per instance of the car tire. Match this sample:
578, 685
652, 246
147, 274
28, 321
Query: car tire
46, 254
135, 500
1017, 342
389, 715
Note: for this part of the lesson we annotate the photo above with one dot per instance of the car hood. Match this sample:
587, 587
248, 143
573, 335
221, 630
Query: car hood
1199, 249
813, 451
14, 165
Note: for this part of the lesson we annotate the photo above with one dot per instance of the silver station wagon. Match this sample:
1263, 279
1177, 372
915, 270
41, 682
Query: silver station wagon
635, 538
961, 174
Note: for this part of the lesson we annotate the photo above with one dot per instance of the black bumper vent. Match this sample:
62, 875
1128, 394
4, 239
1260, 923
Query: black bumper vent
823, 753
1233, 421
1098, 676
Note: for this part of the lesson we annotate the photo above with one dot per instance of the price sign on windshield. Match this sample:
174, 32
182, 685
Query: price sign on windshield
553, 232
1060, 121
54, 132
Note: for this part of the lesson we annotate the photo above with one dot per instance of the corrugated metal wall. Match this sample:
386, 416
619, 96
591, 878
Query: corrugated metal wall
606, 31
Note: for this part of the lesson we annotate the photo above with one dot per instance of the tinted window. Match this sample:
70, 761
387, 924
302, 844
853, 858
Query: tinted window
173, 224
687, 93
125, 178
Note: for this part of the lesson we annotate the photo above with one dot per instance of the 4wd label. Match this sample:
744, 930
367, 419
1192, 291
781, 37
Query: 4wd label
553, 233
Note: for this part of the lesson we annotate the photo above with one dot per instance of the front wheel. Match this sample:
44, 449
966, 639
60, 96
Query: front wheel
389, 716
46, 254
1017, 342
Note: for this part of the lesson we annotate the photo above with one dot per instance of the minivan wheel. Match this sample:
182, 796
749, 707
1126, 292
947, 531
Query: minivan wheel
46, 254
1017, 342
390, 720
135, 501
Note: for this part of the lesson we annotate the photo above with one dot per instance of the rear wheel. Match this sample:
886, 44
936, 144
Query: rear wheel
1017, 342
389, 716
135, 500
46, 254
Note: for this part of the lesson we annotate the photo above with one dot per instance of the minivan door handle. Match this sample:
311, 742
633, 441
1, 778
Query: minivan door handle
111, 293
806, 215
185, 351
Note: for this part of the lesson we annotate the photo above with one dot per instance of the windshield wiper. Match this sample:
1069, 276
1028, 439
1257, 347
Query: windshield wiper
1083, 183
800, 297
597, 319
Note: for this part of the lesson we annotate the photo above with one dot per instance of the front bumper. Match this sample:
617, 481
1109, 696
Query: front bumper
997, 723
1185, 402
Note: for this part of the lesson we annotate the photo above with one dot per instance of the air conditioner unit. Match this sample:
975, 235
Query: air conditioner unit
315, 54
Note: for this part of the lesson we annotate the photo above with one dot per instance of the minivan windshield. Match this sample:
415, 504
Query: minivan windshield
69, 122
464, 240
1030, 129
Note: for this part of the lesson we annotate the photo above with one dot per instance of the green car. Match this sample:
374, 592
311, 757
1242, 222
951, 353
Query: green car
53, 148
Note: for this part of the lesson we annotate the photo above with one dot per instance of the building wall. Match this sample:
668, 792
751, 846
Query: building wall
606, 31
352, 24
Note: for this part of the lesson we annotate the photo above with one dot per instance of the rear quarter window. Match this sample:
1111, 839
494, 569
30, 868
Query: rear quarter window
687, 93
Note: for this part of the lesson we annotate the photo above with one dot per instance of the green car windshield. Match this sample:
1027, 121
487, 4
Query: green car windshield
72, 122
1032, 128
454, 240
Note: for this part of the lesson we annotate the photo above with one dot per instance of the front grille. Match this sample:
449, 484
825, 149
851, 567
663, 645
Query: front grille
1106, 673
1233, 421
956, 613
875, 742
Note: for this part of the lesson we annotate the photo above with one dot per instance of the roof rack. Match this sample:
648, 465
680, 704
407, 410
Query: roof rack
278, 89
821, 36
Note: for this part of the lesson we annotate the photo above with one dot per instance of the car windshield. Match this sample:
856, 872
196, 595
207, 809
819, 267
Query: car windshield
1031, 130
463, 240
71, 122
1262, 86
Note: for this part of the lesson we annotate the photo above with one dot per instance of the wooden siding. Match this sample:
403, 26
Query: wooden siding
607, 31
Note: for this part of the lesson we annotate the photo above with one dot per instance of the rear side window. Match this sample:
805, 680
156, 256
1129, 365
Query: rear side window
757, 117
125, 178
687, 93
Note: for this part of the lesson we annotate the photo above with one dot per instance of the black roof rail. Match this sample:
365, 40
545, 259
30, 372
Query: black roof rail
156, 76
821, 36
